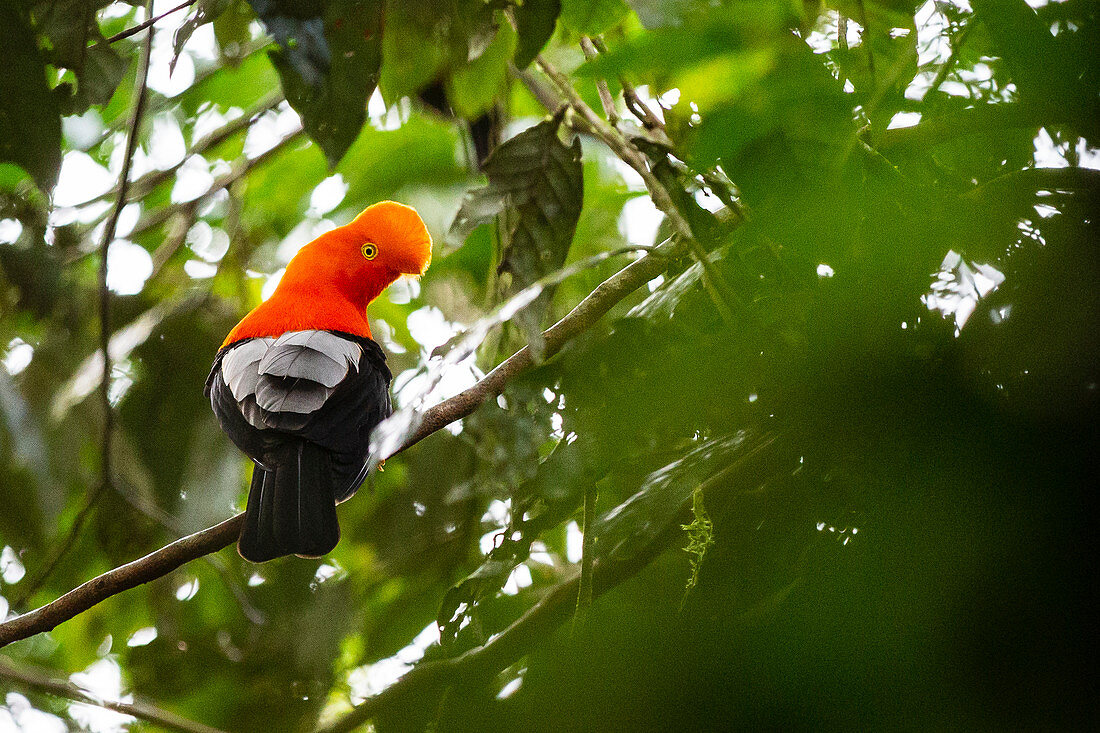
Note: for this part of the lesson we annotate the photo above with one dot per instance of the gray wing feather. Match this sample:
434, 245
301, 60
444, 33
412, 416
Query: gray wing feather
303, 363
240, 367
299, 396
278, 381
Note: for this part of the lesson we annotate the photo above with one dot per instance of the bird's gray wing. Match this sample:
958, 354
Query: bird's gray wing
279, 382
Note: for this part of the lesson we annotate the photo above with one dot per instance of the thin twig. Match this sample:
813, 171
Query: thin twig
170, 525
956, 46
32, 585
634, 103
588, 557
159, 103
606, 100
39, 679
142, 26
142, 186
630, 155
105, 323
160, 216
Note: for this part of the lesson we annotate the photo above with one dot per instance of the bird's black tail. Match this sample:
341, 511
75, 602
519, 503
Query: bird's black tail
291, 506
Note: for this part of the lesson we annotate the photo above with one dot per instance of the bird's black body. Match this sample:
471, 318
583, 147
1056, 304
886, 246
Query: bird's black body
302, 406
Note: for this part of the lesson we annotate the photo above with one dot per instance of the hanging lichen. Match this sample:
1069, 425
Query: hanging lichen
700, 537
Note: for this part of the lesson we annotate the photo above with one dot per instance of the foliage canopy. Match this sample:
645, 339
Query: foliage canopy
860, 389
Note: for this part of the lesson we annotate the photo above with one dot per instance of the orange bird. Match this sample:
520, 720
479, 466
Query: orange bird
299, 384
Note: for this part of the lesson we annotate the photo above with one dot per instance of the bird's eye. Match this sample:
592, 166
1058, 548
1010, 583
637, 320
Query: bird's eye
370, 250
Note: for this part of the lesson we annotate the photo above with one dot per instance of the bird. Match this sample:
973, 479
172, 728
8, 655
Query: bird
299, 383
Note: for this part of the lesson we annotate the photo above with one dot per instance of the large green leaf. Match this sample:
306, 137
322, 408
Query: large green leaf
535, 21
592, 17
536, 185
474, 88
97, 81
30, 122
660, 13
68, 26
331, 93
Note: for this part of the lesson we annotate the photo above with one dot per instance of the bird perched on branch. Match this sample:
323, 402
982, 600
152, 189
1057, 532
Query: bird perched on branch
299, 384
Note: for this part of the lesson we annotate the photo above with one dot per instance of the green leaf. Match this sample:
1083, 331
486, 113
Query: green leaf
1034, 59
475, 87
98, 80
30, 119
333, 107
68, 25
537, 182
661, 13
664, 494
592, 17
206, 11
232, 32
535, 21
415, 48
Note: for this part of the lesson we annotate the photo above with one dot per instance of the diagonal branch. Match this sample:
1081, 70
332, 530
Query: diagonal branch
142, 26
42, 680
144, 185
606, 100
165, 560
105, 322
239, 171
479, 664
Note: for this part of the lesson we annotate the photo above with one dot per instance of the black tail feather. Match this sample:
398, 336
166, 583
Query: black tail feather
291, 507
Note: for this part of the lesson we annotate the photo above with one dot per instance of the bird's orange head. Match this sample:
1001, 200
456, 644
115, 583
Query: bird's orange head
393, 237
329, 283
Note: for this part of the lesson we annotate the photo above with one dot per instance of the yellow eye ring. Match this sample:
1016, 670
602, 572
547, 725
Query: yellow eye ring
370, 250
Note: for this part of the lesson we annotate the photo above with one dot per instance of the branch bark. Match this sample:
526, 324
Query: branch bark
476, 666
44, 681
163, 561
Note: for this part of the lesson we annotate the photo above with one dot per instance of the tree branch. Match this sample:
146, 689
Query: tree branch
606, 100
44, 681
142, 186
152, 566
662, 200
142, 26
956, 47
105, 323
478, 665
160, 216
163, 561
620, 146
634, 103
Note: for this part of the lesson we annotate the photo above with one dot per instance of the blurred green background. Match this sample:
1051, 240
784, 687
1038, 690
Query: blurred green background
873, 420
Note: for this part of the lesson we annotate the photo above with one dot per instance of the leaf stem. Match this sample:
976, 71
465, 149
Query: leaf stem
145, 24
588, 557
